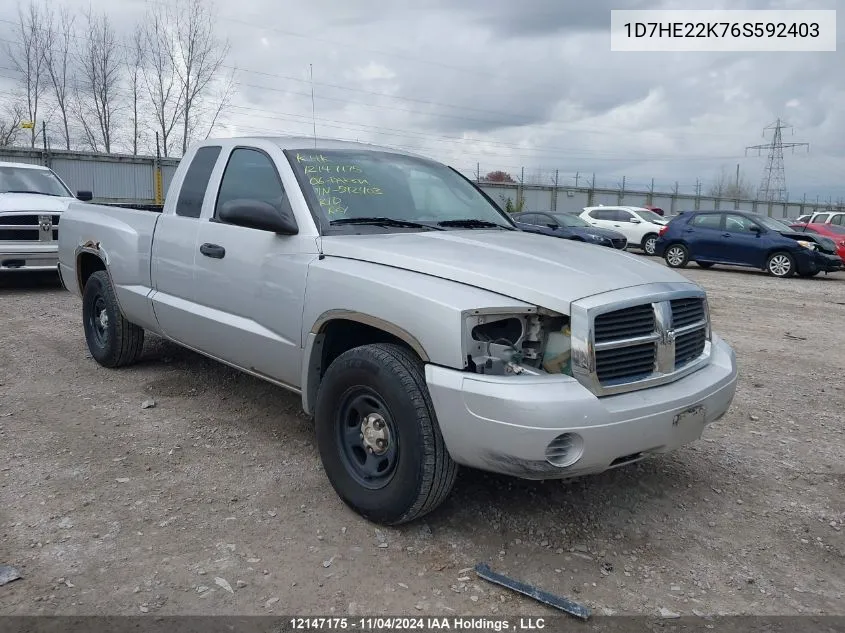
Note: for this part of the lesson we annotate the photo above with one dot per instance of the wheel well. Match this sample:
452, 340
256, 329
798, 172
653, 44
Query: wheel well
341, 335
334, 338
87, 265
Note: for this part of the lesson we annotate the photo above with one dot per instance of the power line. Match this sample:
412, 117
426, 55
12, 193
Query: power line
773, 184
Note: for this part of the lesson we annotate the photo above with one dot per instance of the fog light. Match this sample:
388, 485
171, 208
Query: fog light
565, 450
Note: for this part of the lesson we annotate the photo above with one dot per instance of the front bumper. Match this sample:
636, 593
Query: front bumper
29, 256
504, 424
825, 263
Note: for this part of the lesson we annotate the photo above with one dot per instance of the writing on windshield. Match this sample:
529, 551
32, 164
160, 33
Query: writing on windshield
332, 181
363, 183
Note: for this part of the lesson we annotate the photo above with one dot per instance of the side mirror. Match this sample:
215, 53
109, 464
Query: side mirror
552, 226
84, 196
256, 214
755, 229
634, 221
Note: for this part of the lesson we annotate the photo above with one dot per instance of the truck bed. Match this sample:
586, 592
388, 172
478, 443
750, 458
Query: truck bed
123, 237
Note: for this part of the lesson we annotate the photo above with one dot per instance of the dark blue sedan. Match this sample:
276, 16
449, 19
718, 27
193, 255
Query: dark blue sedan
739, 238
568, 226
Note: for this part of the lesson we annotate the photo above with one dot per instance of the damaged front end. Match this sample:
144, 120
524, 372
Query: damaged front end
533, 342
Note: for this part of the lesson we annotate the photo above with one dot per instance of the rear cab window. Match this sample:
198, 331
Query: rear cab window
195, 184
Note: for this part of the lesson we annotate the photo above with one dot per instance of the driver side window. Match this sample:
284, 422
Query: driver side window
251, 175
623, 216
738, 224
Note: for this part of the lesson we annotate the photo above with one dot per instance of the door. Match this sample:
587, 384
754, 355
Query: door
250, 283
603, 218
741, 242
703, 235
174, 244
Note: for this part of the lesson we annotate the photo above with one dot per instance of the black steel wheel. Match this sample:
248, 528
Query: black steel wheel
378, 435
112, 340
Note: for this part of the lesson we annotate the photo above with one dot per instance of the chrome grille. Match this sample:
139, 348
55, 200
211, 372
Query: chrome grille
627, 323
623, 363
30, 227
689, 346
639, 337
687, 311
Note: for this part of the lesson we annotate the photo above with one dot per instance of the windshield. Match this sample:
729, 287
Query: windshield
772, 224
27, 180
649, 216
570, 219
351, 184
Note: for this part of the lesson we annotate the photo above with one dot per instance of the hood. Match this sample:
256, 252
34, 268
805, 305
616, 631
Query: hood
33, 202
536, 269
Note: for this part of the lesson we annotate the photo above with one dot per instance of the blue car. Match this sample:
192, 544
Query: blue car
568, 226
739, 238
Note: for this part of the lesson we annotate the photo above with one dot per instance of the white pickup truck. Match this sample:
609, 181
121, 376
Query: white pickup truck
32, 200
421, 328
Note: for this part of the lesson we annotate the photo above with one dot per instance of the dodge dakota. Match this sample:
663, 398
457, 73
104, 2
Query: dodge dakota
32, 199
421, 328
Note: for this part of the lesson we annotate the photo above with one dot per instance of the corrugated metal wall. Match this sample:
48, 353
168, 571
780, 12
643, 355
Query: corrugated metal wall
119, 178
111, 177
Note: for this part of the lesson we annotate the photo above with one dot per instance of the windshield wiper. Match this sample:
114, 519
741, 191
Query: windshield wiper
472, 223
35, 193
385, 221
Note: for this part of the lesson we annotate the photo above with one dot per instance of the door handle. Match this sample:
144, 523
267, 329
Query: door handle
213, 250
726, 234
688, 230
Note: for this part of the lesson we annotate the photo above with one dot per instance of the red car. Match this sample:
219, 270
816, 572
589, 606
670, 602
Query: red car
833, 231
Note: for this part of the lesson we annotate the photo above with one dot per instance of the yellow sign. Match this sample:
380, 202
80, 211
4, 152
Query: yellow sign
27, 125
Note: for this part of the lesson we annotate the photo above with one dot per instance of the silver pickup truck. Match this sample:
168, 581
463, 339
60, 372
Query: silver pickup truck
421, 328
32, 200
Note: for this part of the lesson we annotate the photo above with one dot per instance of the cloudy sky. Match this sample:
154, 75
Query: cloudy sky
503, 84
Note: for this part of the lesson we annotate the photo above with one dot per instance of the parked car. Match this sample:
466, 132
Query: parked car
640, 226
828, 217
739, 238
568, 226
421, 329
656, 210
833, 231
32, 199
802, 218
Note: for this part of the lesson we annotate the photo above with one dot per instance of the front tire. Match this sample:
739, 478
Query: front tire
780, 264
378, 436
705, 264
649, 244
676, 256
112, 340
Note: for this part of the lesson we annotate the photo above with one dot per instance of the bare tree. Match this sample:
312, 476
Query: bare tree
59, 62
10, 123
159, 72
732, 186
134, 60
200, 55
98, 95
27, 57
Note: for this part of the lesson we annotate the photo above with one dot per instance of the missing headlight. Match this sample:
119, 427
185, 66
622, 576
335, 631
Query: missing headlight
533, 343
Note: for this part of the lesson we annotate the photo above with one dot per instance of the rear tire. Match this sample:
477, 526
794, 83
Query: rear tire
780, 264
378, 436
649, 243
676, 256
112, 340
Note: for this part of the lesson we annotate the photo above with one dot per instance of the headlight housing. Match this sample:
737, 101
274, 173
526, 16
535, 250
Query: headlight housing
811, 245
506, 342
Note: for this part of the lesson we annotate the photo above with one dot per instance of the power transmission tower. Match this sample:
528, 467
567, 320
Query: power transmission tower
773, 184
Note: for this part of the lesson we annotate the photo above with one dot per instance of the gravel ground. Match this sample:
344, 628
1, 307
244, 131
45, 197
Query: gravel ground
214, 501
